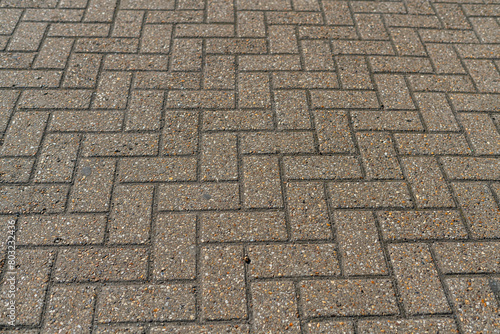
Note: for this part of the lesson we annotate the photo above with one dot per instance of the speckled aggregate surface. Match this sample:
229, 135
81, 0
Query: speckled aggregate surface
250, 166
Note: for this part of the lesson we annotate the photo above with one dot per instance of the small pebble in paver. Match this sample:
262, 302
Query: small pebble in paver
100, 264
409, 225
468, 257
70, 308
359, 245
174, 256
30, 277
352, 297
428, 325
275, 307
61, 229
145, 303
308, 211
474, 299
242, 226
223, 283
293, 260
419, 285
130, 217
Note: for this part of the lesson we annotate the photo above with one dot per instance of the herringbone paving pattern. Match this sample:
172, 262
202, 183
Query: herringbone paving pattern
250, 166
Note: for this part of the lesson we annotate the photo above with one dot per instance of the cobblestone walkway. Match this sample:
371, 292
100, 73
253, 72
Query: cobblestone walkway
250, 166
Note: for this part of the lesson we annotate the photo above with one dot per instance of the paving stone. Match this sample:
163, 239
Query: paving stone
186, 55
482, 133
427, 182
145, 303
120, 144
210, 99
327, 32
30, 79
250, 24
330, 326
386, 120
469, 168
33, 199
261, 182
220, 11
468, 257
69, 308
282, 39
201, 329
416, 225
223, 283
412, 262
174, 255
180, 133
444, 58
236, 46
97, 45
100, 264
144, 111
167, 80
30, 277
237, 120
100, 11
317, 55
487, 29
440, 83
480, 210
219, 157
475, 102
379, 156
393, 91
120, 329
275, 307
157, 169
428, 325
242, 226
321, 167
109, 93
130, 216
343, 99
15, 170
8, 20
24, 134
484, 74
79, 30
432, 144
91, 191
337, 13
369, 194
8, 100
57, 158
269, 63
128, 23
254, 90
413, 21
82, 71
198, 196
61, 229
304, 80
308, 260
361, 47
407, 42
27, 36
347, 297
436, 112
55, 99
219, 72
275, 142
86, 120
371, 26
147, 4
291, 109
353, 72
474, 299
378, 7
129, 62
359, 245
204, 30
334, 135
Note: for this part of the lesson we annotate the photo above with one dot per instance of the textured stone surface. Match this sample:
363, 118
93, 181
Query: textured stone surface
250, 166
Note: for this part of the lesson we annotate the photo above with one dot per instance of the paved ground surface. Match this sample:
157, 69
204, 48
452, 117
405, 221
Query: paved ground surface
250, 166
